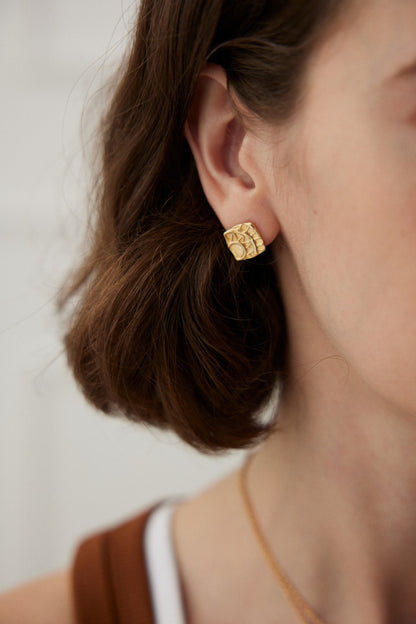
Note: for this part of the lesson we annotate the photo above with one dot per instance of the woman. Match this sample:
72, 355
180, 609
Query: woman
297, 118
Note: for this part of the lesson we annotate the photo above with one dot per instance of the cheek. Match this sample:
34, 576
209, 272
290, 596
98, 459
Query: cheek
357, 257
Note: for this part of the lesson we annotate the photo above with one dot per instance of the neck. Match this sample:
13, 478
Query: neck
335, 493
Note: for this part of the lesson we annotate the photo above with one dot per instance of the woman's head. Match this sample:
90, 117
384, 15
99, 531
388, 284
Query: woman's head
218, 118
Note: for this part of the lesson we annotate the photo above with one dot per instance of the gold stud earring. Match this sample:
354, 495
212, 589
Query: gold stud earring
244, 241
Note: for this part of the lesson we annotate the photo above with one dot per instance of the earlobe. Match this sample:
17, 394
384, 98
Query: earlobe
218, 139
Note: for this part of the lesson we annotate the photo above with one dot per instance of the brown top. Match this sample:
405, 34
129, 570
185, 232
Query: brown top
109, 577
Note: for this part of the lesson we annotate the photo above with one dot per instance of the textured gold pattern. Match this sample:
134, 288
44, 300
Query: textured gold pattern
244, 241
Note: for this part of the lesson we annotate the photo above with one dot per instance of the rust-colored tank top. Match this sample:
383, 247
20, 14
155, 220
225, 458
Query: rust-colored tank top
109, 577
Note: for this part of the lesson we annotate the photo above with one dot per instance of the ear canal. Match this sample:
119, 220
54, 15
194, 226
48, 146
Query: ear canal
244, 241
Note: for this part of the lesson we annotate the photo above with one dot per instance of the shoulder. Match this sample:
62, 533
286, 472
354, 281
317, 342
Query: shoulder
88, 582
47, 600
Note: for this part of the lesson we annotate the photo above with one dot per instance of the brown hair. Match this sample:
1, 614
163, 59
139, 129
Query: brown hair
169, 329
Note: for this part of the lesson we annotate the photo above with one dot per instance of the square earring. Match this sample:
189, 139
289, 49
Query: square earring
244, 241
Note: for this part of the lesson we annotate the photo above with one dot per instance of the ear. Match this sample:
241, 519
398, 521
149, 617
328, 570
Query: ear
230, 160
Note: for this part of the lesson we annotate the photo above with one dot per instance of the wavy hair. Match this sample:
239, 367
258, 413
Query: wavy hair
168, 329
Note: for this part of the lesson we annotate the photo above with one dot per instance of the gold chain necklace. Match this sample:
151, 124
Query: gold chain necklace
301, 607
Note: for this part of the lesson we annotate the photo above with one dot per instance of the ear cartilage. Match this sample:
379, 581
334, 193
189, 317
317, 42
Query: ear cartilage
244, 241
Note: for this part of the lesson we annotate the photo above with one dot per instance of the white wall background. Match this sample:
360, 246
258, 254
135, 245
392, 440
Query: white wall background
65, 470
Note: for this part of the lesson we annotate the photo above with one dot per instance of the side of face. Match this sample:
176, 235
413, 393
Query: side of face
348, 210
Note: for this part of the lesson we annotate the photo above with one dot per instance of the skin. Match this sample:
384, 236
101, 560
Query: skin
334, 488
46, 600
